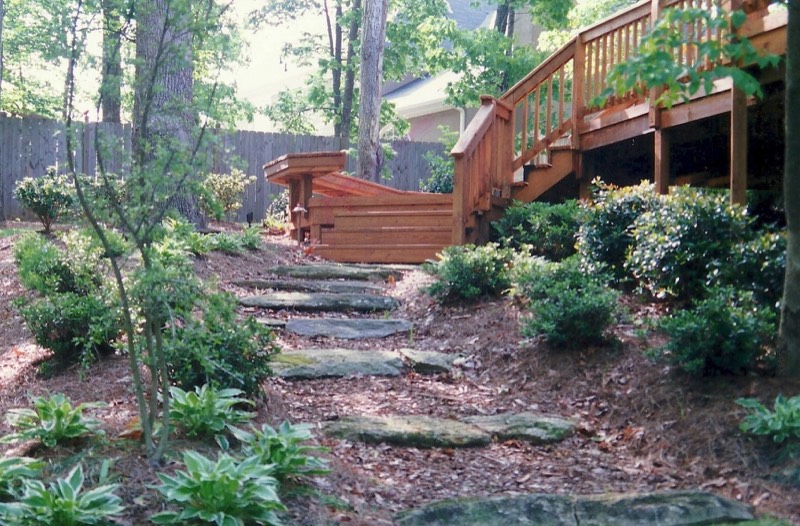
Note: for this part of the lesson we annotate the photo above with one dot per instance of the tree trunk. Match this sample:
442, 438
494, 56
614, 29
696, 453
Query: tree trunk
789, 332
373, 39
348, 95
2, 71
335, 50
112, 61
164, 121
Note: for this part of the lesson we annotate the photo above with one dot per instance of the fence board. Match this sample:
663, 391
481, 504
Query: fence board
30, 145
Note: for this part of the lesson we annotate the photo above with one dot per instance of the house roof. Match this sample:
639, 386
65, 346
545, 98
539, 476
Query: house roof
422, 96
467, 16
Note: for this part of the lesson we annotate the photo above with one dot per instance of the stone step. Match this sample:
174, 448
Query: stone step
336, 287
321, 302
426, 432
332, 271
666, 508
353, 329
306, 364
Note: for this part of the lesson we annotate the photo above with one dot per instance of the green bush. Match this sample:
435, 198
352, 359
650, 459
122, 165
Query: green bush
63, 503
442, 167
547, 229
468, 272
206, 411
222, 193
727, 332
226, 492
278, 211
13, 471
41, 266
283, 449
605, 235
781, 424
569, 306
52, 421
219, 349
48, 197
676, 243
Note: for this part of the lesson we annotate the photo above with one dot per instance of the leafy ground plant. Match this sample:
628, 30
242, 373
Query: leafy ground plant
13, 470
226, 492
284, 449
782, 423
63, 503
52, 421
468, 272
48, 197
207, 411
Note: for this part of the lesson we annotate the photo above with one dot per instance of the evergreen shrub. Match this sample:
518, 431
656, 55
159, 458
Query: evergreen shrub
548, 230
469, 272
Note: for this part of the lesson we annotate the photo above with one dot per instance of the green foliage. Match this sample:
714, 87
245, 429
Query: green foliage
727, 332
466, 273
227, 242
655, 63
782, 424
226, 492
41, 267
13, 471
223, 193
604, 237
52, 421
63, 503
442, 166
278, 210
283, 449
220, 349
547, 230
48, 197
251, 238
675, 244
569, 306
207, 411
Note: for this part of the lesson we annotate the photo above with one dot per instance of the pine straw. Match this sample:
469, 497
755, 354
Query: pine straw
642, 426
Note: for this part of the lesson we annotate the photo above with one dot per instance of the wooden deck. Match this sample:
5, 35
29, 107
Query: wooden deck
525, 143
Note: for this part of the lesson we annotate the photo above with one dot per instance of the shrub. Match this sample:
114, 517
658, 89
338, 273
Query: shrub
727, 332
547, 229
207, 411
251, 238
227, 491
283, 449
14, 470
219, 349
63, 503
605, 235
781, 424
442, 167
48, 197
675, 244
469, 272
52, 421
41, 267
757, 266
569, 306
278, 211
223, 193
75, 327
229, 243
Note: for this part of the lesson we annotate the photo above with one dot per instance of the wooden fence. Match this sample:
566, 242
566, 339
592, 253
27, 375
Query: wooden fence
29, 145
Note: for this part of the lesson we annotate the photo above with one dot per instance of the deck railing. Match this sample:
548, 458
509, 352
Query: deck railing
554, 99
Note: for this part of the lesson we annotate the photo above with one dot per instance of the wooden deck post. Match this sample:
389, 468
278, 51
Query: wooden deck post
661, 142
578, 89
738, 147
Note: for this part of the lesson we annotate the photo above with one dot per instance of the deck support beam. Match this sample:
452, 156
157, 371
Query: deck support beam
738, 147
661, 141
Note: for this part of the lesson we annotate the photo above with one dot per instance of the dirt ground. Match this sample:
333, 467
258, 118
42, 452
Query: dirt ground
643, 426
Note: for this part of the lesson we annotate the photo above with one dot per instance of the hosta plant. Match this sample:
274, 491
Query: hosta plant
783, 423
14, 470
225, 492
52, 421
63, 503
207, 411
284, 449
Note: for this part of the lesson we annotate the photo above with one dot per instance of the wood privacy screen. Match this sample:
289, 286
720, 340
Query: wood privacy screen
29, 145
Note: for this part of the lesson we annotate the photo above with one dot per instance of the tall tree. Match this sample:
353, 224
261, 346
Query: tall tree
112, 61
789, 332
2, 19
370, 152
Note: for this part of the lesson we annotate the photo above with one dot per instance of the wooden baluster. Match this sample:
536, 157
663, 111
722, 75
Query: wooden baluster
588, 50
524, 143
538, 93
549, 115
603, 61
561, 90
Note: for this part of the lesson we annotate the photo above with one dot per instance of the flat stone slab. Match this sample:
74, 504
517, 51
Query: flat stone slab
273, 323
325, 363
337, 287
321, 302
670, 508
530, 427
349, 329
408, 431
334, 271
429, 362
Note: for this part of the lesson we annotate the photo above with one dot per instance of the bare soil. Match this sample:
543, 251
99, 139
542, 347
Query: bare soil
643, 426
